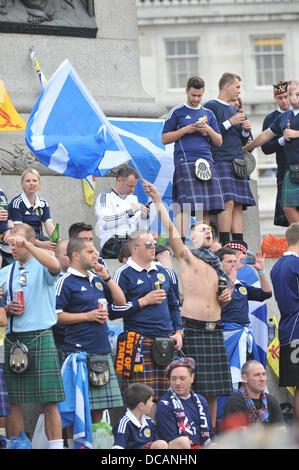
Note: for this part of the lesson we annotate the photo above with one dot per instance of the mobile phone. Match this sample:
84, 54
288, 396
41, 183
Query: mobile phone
250, 258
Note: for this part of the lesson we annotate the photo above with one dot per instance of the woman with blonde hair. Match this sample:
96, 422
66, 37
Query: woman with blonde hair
32, 209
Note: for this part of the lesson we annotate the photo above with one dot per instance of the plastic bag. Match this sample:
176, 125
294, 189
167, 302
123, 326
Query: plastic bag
113, 332
39, 438
102, 436
20, 442
274, 247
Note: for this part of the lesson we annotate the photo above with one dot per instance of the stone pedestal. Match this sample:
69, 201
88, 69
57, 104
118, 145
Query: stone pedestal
109, 64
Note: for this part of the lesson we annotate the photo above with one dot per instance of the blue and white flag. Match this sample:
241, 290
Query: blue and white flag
153, 160
257, 314
75, 410
69, 133
239, 340
142, 139
253, 339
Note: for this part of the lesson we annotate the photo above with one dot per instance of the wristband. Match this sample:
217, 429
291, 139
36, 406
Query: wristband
180, 331
107, 279
261, 272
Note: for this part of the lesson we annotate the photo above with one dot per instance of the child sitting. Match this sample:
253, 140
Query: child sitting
135, 429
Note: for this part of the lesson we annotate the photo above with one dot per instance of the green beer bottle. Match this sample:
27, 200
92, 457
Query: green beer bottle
55, 235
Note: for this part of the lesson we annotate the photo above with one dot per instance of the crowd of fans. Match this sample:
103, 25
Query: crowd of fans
172, 362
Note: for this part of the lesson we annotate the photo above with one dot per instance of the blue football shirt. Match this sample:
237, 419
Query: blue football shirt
76, 293
191, 146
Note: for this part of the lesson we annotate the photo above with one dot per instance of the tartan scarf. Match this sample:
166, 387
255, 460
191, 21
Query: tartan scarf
255, 416
208, 257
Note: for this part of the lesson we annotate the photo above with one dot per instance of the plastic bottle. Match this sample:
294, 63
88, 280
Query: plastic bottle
55, 235
271, 330
288, 127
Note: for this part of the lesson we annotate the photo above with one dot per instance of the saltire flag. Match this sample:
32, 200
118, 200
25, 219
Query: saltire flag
75, 410
10, 120
238, 341
69, 133
255, 338
142, 138
88, 181
257, 314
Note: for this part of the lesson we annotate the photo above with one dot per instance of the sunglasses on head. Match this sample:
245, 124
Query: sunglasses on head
148, 244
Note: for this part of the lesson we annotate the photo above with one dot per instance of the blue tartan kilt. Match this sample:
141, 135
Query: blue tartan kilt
188, 189
234, 189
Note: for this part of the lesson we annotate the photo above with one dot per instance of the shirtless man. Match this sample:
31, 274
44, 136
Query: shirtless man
199, 271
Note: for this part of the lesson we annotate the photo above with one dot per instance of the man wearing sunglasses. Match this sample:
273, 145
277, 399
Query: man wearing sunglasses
152, 312
34, 272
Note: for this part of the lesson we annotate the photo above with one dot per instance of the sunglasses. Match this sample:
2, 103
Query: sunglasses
22, 277
148, 244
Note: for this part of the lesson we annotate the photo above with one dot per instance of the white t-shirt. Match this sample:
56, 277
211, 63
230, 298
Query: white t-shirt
115, 215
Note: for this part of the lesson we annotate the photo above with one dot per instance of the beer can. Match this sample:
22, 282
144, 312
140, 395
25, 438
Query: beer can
102, 304
3, 206
222, 284
158, 285
20, 298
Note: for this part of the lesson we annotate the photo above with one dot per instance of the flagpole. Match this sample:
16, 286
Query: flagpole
136, 168
37, 68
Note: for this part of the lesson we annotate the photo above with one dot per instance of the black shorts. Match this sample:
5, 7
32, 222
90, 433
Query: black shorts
289, 365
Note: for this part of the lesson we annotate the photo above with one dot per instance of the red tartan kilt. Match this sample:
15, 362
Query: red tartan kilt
152, 375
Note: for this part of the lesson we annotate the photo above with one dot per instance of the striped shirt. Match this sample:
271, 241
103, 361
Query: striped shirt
129, 433
115, 215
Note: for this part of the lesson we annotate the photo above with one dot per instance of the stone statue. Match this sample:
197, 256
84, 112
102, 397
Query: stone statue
40, 11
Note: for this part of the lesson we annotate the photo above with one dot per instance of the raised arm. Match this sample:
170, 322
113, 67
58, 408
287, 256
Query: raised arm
118, 297
175, 241
42, 256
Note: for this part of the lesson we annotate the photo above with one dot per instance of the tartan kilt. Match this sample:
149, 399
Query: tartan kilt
234, 189
279, 215
106, 396
4, 402
152, 375
207, 348
290, 192
41, 382
188, 189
